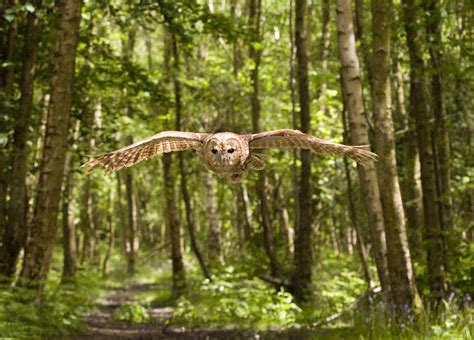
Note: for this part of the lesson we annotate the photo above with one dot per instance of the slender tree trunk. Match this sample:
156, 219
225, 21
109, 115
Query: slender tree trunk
69, 227
122, 216
399, 259
247, 209
172, 212
303, 253
352, 89
190, 220
174, 226
419, 108
410, 185
111, 232
361, 37
214, 231
441, 132
353, 212
7, 51
40, 245
324, 51
255, 7
86, 221
132, 242
286, 232
15, 231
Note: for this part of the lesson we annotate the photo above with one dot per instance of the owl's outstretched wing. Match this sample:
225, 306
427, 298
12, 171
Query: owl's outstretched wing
163, 142
296, 139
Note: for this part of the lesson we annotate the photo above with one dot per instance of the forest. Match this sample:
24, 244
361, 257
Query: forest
313, 246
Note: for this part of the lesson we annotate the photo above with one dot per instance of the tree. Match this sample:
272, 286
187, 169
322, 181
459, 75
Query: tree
69, 227
303, 254
255, 8
16, 228
419, 109
352, 88
402, 279
441, 132
43, 229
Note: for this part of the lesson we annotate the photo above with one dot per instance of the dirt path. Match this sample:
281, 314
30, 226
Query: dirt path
101, 325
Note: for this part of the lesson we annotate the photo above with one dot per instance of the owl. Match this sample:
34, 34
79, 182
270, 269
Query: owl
229, 155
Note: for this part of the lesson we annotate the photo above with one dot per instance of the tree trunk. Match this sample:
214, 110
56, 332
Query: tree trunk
69, 227
352, 89
303, 253
399, 259
255, 7
132, 240
174, 226
173, 223
111, 232
361, 37
15, 231
121, 216
353, 212
324, 51
247, 209
440, 133
190, 220
419, 109
86, 221
7, 51
40, 245
214, 231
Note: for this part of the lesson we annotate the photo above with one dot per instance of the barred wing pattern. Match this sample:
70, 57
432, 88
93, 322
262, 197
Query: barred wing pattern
164, 142
296, 139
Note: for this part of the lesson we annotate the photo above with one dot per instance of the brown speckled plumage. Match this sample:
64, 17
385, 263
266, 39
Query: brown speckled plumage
228, 154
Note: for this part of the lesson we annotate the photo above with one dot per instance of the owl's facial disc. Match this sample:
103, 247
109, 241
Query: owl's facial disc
224, 153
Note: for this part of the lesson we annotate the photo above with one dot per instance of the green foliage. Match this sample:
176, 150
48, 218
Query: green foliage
133, 313
25, 313
234, 299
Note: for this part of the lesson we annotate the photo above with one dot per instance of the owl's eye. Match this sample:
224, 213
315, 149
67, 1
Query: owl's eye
214, 151
230, 150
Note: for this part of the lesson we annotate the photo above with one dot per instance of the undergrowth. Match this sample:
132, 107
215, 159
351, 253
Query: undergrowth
56, 312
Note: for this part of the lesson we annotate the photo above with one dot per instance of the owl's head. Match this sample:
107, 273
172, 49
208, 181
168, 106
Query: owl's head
225, 151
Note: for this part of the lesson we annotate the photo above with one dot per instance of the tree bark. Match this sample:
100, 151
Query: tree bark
324, 51
352, 89
255, 8
190, 220
122, 216
419, 109
69, 227
399, 259
172, 213
353, 212
16, 228
132, 240
303, 253
111, 240
441, 132
410, 183
214, 231
43, 230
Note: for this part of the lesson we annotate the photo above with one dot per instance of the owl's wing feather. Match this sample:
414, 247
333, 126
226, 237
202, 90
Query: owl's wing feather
163, 142
296, 139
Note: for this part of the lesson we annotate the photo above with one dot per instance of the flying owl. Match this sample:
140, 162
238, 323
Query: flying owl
229, 155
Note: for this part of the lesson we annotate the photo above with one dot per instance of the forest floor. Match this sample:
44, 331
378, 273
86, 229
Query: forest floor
101, 322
